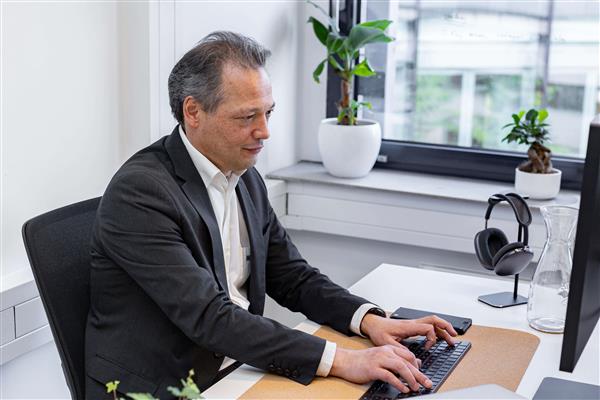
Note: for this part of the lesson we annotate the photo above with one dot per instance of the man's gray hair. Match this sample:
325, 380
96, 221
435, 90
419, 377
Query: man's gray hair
198, 73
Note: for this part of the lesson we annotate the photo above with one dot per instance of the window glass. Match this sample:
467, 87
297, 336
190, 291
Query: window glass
458, 70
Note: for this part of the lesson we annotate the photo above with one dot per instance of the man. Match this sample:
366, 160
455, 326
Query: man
186, 246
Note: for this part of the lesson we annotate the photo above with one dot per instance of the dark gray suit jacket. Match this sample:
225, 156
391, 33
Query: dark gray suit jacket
159, 301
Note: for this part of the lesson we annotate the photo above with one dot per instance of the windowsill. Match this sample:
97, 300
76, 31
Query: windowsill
429, 211
401, 182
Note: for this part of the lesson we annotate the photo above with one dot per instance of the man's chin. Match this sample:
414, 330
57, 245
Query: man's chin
246, 165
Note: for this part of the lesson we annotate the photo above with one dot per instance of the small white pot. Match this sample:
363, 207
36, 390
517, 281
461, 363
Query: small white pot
349, 151
538, 186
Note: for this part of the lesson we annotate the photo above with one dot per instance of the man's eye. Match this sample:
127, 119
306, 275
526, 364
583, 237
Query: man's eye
249, 117
269, 113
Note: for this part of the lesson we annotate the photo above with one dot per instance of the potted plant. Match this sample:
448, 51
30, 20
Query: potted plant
349, 146
535, 177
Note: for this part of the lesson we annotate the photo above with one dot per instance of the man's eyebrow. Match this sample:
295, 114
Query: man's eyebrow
255, 109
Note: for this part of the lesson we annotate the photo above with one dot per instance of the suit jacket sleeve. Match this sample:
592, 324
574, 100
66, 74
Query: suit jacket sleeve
294, 284
139, 230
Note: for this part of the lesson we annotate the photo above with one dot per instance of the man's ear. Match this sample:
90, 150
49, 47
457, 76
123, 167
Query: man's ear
193, 114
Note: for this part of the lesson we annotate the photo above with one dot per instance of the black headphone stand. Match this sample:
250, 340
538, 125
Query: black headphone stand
504, 299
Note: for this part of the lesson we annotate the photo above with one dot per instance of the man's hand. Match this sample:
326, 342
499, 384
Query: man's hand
384, 363
387, 331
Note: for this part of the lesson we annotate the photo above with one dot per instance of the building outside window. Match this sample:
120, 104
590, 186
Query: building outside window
458, 70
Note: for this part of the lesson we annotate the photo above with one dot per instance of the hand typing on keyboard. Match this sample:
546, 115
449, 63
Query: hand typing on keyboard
386, 363
384, 331
390, 361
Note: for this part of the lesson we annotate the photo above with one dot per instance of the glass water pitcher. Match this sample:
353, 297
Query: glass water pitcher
549, 289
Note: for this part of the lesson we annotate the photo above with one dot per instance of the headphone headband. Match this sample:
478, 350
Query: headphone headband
520, 208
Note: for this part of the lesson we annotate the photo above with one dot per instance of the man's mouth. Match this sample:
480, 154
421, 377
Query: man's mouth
254, 149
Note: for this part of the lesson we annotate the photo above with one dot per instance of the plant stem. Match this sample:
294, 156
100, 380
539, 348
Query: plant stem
539, 159
345, 101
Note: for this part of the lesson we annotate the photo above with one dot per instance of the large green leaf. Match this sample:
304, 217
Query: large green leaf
330, 20
319, 70
516, 118
334, 42
542, 115
320, 31
531, 115
380, 24
361, 35
364, 69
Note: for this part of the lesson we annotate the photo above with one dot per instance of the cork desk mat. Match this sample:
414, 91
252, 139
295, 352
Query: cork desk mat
488, 361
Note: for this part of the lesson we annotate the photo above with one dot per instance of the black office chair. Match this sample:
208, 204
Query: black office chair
58, 247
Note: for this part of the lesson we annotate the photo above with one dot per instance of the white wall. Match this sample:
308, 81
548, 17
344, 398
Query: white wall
313, 96
74, 106
133, 77
60, 109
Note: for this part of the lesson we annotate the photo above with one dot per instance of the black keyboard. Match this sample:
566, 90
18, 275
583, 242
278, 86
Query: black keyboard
437, 363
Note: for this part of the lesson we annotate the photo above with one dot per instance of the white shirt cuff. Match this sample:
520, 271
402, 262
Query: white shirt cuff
327, 359
358, 317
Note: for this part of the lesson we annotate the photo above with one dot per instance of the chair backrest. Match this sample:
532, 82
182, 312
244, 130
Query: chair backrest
58, 247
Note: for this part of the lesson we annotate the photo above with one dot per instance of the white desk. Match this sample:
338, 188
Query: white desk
391, 286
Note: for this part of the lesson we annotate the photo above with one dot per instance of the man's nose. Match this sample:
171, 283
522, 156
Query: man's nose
261, 131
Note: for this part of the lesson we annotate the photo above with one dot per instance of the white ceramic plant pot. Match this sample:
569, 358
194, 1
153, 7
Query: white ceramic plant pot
349, 151
538, 186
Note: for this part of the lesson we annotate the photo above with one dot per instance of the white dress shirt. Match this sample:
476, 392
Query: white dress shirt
236, 247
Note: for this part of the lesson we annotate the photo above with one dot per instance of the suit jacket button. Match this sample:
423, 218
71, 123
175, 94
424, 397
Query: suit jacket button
287, 372
271, 367
295, 373
279, 370
218, 355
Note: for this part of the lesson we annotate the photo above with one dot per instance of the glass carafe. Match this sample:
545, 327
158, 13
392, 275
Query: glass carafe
549, 289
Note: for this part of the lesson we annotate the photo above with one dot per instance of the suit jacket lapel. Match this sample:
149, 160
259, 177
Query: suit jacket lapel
256, 284
196, 192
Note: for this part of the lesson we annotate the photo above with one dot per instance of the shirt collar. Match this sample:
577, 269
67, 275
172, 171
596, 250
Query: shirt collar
209, 172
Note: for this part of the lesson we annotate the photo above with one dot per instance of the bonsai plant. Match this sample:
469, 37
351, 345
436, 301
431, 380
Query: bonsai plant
350, 151
534, 177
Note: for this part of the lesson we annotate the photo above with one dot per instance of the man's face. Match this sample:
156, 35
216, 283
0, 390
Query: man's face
232, 136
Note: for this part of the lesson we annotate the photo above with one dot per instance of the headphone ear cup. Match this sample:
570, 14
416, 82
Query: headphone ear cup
508, 262
487, 244
504, 250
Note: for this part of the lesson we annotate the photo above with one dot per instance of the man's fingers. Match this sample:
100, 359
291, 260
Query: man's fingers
390, 378
429, 333
440, 328
444, 325
440, 323
420, 327
445, 335
421, 377
408, 356
402, 368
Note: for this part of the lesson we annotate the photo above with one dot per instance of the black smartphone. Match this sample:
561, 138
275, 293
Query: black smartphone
460, 324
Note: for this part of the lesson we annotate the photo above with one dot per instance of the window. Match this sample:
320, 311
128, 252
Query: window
458, 70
